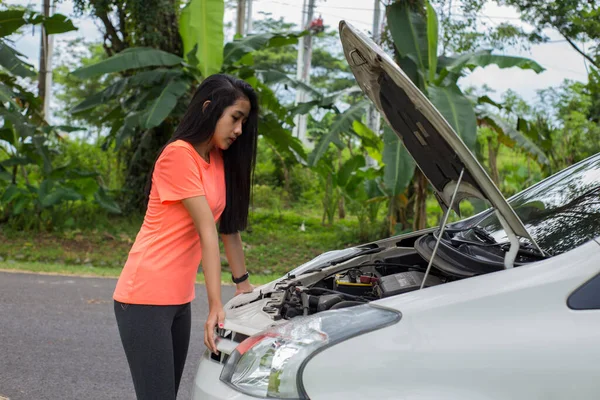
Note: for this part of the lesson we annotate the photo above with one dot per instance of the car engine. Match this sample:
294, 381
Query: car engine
359, 283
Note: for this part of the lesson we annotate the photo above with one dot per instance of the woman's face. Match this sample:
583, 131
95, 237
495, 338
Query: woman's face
229, 126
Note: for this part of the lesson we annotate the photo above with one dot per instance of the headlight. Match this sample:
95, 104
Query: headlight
270, 364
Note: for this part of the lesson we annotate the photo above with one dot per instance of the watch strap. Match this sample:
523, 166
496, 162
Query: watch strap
240, 279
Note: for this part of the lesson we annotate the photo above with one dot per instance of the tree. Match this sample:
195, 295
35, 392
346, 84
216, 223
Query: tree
577, 21
27, 141
576, 134
70, 90
144, 23
464, 28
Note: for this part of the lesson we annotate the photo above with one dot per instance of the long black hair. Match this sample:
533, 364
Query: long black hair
198, 126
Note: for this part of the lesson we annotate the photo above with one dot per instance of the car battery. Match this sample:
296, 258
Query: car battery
354, 283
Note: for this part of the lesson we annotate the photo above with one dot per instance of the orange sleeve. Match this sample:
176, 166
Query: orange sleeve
177, 175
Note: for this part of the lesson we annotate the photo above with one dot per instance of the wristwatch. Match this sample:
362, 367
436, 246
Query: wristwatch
240, 279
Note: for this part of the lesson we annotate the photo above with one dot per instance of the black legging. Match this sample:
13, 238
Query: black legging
156, 341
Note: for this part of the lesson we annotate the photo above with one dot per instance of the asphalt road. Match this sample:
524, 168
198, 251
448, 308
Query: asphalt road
59, 339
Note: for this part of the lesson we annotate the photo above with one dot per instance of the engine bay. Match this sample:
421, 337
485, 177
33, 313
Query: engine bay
389, 267
389, 271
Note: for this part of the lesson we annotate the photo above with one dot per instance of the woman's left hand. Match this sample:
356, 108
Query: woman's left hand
244, 287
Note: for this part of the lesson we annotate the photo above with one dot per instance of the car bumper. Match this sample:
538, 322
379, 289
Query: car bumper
208, 386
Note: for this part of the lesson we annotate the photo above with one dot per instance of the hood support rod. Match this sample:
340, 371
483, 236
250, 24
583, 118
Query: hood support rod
513, 250
442, 227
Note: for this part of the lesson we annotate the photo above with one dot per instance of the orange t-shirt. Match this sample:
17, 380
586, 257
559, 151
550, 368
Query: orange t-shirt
163, 262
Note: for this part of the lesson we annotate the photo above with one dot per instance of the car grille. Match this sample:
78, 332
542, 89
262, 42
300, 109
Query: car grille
226, 343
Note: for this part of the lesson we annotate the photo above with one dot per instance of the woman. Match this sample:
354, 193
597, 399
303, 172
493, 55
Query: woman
200, 178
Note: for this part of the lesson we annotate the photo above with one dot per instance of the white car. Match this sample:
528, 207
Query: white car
503, 305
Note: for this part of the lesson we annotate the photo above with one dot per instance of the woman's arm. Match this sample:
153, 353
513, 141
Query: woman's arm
235, 255
211, 264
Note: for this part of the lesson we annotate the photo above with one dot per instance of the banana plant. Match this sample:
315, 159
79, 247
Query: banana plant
155, 85
496, 131
415, 32
415, 35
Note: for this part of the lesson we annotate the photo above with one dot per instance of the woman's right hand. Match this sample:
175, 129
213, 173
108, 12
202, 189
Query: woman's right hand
216, 317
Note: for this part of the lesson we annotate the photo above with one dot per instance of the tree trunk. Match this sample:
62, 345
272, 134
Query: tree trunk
407, 216
420, 221
493, 160
341, 208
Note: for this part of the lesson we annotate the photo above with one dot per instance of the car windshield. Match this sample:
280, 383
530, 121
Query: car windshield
561, 212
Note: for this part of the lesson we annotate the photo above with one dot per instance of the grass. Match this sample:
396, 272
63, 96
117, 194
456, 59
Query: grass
273, 245
104, 272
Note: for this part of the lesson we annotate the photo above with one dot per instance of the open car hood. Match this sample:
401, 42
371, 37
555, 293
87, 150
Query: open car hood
438, 151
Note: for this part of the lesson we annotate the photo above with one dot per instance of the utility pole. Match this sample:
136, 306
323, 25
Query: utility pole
241, 17
303, 72
373, 117
46, 47
249, 17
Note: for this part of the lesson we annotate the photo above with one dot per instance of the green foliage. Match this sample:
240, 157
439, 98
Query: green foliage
483, 58
133, 58
154, 88
149, 98
577, 135
342, 123
414, 30
273, 245
201, 29
71, 90
136, 23
399, 165
432, 40
409, 31
576, 20
268, 198
12, 19
435, 213
457, 110
464, 29
35, 193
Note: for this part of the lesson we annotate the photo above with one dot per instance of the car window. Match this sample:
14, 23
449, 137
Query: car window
587, 297
561, 212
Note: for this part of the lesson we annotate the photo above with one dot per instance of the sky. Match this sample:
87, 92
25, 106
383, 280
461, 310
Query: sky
557, 57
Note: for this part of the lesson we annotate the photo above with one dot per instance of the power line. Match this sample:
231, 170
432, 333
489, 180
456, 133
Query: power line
347, 19
584, 59
478, 16
348, 8
323, 13
481, 16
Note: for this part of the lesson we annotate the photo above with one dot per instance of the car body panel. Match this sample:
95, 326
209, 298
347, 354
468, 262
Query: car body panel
207, 385
505, 335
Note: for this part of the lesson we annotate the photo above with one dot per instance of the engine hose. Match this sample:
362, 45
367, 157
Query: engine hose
344, 304
325, 290
304, 298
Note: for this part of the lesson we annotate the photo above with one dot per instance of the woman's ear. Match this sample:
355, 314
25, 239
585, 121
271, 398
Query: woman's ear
206, 103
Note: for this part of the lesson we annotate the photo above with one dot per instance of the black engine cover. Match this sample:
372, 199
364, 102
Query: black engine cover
392, 285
